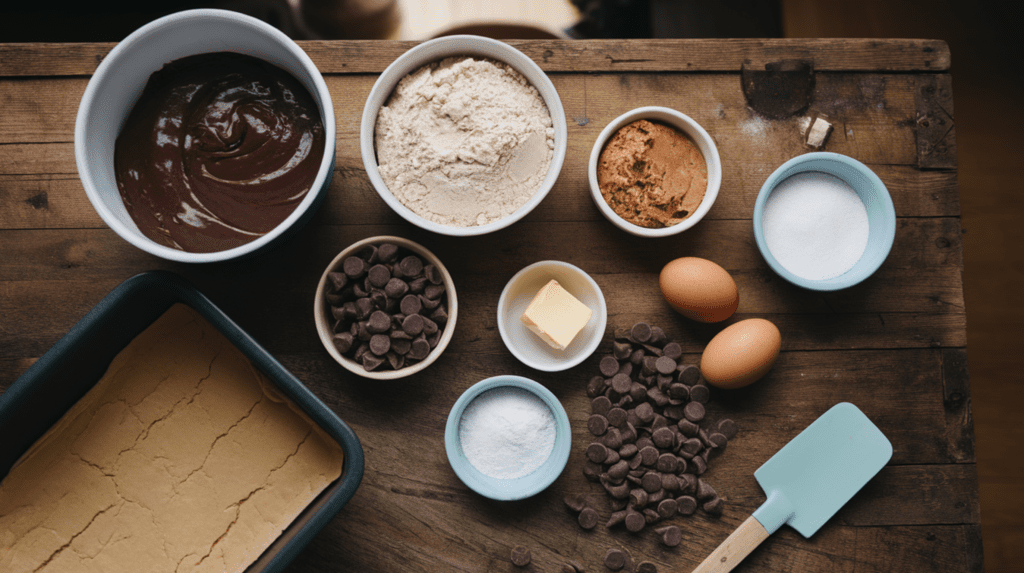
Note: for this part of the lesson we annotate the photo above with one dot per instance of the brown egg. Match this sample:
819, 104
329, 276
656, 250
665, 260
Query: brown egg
699, 289
741, 354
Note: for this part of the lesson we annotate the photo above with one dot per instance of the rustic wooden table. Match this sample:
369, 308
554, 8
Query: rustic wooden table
893, 345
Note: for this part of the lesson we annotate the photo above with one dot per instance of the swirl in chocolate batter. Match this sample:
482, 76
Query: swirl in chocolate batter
219, 149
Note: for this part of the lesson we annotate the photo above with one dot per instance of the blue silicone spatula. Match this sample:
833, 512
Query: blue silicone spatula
807, 481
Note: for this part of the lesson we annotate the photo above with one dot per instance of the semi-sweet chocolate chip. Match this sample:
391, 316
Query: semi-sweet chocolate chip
588, 518
616, 559
520, 556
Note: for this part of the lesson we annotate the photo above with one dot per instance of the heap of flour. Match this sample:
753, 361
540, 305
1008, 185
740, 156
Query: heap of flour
464, 142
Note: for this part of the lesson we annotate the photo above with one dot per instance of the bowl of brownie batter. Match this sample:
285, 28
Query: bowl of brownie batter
205, 136
654, 172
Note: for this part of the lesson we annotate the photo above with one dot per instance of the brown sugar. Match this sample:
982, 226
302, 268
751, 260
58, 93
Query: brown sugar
652, 175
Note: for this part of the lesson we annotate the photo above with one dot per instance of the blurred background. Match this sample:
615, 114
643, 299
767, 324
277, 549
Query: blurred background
988, 119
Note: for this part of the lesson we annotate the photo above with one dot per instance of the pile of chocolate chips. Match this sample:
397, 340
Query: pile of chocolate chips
652, 439
389, 308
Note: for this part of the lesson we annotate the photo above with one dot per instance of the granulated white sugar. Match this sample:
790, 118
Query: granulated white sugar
815, 225
507, 433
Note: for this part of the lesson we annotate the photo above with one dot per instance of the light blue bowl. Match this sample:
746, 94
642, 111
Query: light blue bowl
872, 192
508, 489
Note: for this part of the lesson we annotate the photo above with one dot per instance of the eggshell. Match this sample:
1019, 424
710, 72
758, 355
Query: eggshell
741, 354
699, 289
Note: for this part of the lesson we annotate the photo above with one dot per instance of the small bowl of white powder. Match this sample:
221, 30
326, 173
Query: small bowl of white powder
507, 437
824, 221
463, 135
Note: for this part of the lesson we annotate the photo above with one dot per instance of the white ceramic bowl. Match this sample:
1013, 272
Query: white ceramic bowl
435, 50
120, 79
325, 322
525, 344
685, 124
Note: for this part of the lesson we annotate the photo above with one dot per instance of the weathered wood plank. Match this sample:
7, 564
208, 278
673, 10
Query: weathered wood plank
354, 56
936, 129
58, 201
874, 115
956, 390
921, 243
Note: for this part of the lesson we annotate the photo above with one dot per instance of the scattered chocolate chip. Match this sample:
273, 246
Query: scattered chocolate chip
520, 556
700, 393
651, 482
665, 365
609, 366
686, 505
616, 518
689, 375
718, 440
597, 452
672, 350
663, 438
616, 559
667, 508
635, 521
641, 332
714, 506
588, 518
597, 424
728, 428
671, 535
646, 567
596, 387
694, 410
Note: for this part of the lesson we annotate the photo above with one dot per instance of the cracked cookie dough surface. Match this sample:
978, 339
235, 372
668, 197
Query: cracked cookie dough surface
183, 457
652, 175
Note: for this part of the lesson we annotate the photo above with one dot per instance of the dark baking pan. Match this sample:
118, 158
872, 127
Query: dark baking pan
68, 370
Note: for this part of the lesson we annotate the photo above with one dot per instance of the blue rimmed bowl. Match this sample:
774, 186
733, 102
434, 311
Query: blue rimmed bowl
872, 192
517, 488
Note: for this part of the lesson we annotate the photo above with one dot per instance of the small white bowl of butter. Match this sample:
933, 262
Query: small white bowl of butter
532, 347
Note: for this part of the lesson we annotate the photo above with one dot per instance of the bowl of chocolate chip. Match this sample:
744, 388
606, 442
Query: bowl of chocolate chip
385, 308
205, 136
654, 172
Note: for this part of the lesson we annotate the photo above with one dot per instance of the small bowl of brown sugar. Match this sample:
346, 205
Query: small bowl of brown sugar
385, 308
654, 172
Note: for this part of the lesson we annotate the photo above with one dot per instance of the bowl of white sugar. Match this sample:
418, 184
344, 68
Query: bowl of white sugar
463, 135
507, 438
824, 221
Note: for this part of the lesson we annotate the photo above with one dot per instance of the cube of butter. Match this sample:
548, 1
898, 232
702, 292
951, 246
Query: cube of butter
556, 316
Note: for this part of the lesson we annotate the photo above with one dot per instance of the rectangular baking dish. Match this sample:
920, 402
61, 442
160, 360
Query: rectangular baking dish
77, 361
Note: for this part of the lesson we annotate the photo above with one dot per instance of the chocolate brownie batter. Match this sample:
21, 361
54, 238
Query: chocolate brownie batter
219, 149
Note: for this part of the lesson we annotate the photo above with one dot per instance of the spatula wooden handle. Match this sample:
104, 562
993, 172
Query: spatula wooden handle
737, 546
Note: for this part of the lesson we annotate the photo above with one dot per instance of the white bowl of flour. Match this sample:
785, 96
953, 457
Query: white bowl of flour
463, 135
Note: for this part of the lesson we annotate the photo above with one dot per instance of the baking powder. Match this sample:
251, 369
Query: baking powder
815, 225
507, 433
464, 142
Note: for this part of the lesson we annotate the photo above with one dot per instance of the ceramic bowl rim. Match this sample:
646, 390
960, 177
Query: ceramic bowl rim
601, 313
325, 332
435, 50
695, 131
108, 68
508, 489
797, 165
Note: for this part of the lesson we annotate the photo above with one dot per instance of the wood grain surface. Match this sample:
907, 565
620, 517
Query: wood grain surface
893, 345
